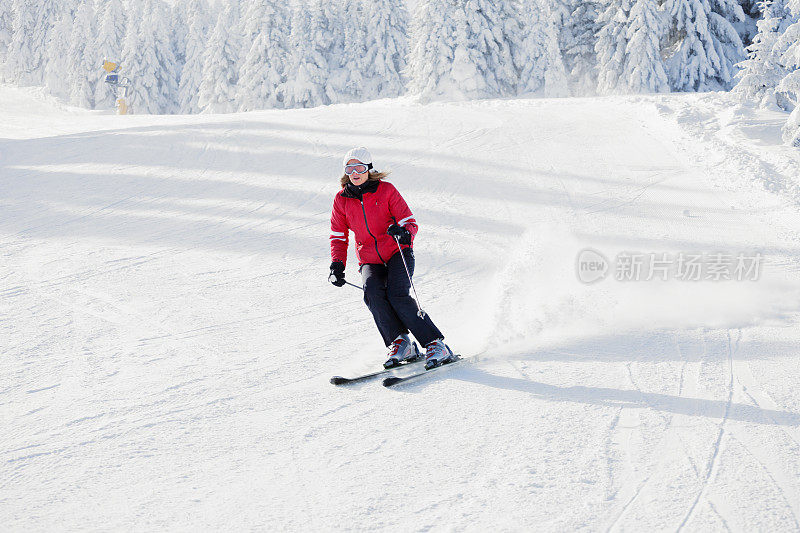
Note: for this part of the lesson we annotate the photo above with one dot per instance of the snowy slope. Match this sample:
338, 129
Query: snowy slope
168, 331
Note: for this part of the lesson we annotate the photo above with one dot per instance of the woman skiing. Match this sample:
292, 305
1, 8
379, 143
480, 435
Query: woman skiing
383, 225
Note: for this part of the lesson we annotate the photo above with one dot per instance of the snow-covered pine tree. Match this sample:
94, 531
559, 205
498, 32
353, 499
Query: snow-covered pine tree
237, 31
466, 81
132, 56
790, 84
147, 59
751, 9
329, 28
537, 54
577, 40
179, 24
643, 70
431, 48
57, 75
386, 49
747, 29
791, 130
611, 46
788, 34
353, 59
250, 22
463, 49
200, 21
725, 16
263, 70
560, 11
217, 91
248, 25
307, 66
46, 16
780, 10
6, 28
763, 70
168, 67
25, 59
82, 69
494, 27
108, 46
692, 58
701, 44
180, 17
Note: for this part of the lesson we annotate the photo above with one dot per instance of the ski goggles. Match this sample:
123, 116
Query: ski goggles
356, 169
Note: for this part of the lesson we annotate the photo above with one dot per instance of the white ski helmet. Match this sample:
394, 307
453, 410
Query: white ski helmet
360, 153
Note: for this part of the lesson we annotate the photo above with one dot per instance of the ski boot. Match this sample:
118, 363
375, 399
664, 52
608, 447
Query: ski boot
402, 351
437, 353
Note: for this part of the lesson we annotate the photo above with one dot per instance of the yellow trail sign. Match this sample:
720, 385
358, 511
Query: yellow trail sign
110, 67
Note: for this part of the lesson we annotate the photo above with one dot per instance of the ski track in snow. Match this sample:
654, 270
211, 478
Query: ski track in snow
169, 333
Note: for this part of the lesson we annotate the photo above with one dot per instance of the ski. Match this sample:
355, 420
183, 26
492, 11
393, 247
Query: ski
396, 380
339, 380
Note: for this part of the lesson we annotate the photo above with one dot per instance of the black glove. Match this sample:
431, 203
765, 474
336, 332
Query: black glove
400, 233
337, 272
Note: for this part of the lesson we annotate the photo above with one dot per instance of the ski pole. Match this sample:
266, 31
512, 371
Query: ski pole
420, 312
354, 285
348, 283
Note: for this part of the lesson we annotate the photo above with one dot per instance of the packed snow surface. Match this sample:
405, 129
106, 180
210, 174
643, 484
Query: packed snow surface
168, 330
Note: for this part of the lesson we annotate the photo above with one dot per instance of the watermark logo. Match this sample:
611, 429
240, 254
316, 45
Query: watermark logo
591, 266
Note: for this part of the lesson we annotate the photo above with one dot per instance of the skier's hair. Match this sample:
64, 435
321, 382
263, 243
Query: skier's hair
374, 175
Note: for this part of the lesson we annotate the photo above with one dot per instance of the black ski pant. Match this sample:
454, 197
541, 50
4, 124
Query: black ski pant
387, 294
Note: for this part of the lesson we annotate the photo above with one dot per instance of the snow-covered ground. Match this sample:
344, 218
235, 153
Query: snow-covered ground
168, 331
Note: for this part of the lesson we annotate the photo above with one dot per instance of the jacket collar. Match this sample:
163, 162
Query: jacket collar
351, 191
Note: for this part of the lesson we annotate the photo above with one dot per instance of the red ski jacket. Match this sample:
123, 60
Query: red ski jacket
368, 218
